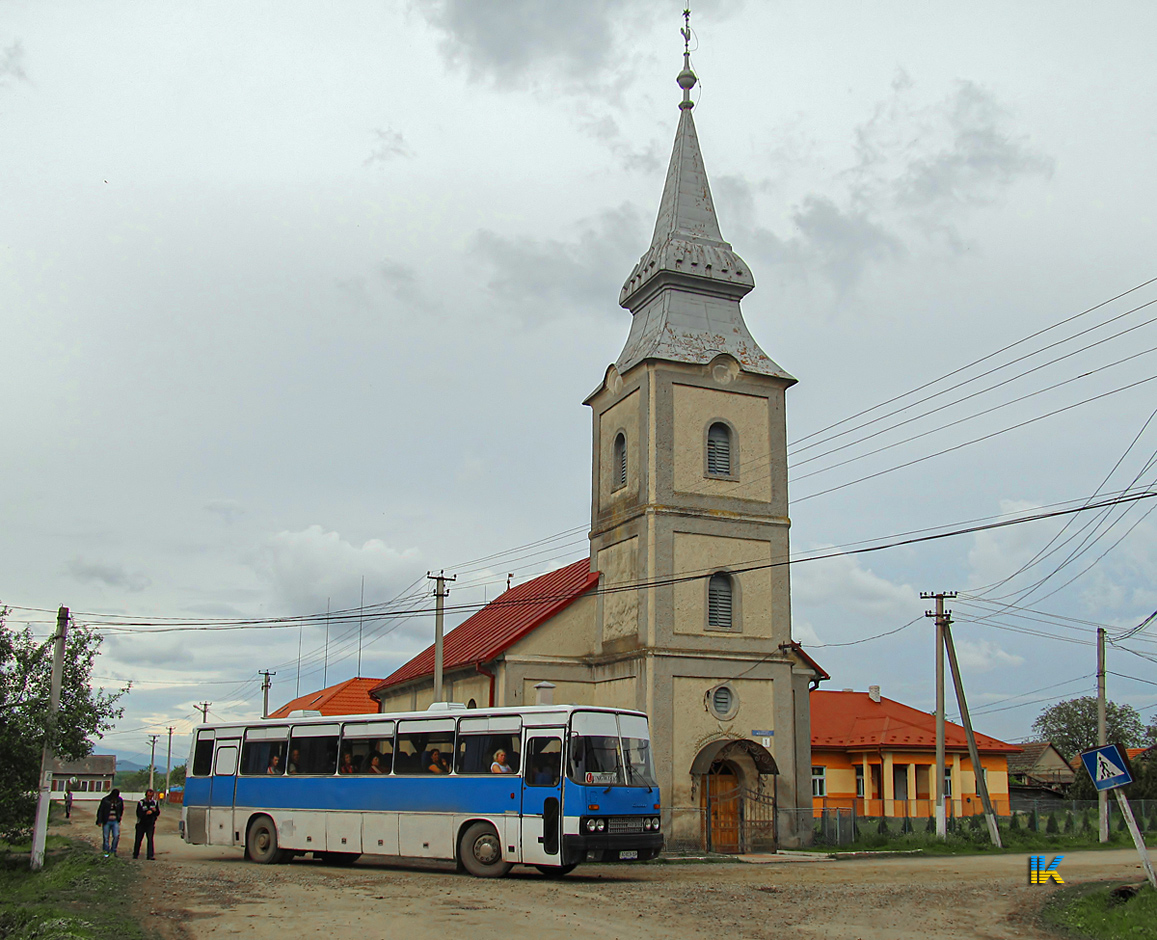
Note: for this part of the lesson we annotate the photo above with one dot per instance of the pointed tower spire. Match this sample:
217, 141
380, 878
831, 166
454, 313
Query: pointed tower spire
684, 293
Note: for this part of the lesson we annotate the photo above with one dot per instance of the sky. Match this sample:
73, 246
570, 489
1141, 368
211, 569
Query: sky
301, 301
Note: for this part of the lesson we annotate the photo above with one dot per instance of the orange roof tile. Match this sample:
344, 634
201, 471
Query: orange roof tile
502, 622
351, 697
853, 720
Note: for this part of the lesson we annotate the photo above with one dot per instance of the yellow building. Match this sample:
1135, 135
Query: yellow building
878, 757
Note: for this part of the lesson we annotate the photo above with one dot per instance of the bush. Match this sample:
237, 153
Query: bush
1153, 822
974, 823
1070, 824
1121, 822
882, 826
930, 826
1086, 825
906, 826
1032, 821
1014, 823
1052, 826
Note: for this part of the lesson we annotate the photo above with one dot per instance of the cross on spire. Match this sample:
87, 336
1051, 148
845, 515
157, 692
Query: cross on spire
686, 78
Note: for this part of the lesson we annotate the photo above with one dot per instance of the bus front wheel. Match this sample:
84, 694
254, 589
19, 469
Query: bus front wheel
262, 842
480, 852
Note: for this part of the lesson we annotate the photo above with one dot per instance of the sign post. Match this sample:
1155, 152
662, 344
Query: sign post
1109, 768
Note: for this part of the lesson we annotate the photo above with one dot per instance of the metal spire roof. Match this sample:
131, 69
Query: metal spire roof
684, 293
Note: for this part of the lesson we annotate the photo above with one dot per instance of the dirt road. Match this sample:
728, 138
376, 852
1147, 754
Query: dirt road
196, 892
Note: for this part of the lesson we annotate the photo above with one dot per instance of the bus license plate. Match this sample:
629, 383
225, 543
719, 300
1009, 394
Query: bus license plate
624, 856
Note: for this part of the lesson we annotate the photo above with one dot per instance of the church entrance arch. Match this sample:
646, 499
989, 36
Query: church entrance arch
736, 798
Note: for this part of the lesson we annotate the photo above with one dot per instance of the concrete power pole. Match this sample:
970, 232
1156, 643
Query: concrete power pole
169, 766
44, 795
939, 614
973, 752
265, 685
1102, 734
152, 758
204, 707
440, 595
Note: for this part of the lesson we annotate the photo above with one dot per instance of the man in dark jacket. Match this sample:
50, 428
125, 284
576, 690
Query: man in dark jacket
108, 816
148, 810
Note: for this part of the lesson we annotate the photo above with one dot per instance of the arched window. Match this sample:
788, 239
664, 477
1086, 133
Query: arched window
619, 471
719, 597
719, 449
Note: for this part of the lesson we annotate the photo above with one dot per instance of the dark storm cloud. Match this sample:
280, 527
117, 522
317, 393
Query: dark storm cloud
106, 573
552, 275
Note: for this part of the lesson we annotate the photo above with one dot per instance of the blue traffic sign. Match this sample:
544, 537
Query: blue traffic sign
1108, 766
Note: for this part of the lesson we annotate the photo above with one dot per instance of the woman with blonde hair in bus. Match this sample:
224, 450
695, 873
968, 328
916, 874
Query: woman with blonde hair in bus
500, 766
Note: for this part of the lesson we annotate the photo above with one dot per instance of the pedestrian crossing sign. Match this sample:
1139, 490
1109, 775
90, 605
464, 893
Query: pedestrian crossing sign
1108, 766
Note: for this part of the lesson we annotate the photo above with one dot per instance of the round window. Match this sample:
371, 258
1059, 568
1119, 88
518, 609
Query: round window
723, 701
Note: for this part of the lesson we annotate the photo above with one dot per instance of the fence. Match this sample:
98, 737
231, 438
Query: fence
735, 821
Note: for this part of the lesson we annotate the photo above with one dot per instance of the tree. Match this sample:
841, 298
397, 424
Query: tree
25, 684
1071, 726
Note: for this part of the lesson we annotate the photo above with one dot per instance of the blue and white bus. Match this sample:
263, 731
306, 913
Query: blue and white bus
549, 786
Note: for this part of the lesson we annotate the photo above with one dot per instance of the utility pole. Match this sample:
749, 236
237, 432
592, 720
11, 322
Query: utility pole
169, 766
265, 685
204, 707
973, 753
941, 616
361, 620
325, 659
1102, 734
440, 595
44, 795
152, 757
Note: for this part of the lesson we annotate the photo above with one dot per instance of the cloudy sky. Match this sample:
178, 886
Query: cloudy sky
297, 295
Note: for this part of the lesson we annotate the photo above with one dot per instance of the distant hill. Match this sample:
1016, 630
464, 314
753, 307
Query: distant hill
127, 763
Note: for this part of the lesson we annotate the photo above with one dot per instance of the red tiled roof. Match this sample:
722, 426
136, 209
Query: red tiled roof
853, 720
502, 622
351, 697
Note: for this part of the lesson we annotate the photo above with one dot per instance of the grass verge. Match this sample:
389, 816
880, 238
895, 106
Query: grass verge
78, 895
1090, 911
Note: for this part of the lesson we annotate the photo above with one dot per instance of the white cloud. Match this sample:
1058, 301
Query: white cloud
983, 655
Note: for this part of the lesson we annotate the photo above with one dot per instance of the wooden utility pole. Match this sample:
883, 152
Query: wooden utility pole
941, 616
44, 794
169, 766
440, 595
152, 758
973, 753
204, 708
1102, 735
265, 685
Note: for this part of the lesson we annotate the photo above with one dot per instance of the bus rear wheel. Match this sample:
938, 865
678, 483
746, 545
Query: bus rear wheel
262, 842
556, 871
480, 852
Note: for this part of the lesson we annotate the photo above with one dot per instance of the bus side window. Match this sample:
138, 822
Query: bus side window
543, 761
418, 753
203, 755
476, 752
313, 755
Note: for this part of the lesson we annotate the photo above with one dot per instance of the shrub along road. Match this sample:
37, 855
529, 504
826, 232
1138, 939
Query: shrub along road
200, 892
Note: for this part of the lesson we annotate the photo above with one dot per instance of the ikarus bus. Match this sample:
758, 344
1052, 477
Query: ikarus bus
548, 786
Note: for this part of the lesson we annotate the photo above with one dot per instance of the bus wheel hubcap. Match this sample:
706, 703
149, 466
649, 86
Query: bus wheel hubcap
487, 850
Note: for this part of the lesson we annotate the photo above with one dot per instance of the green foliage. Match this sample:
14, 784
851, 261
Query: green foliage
1088, 910
1121, 827
1086, 823
1070, 824
1014, 823
25, 680
1153, 822
974, 823
930, 826
1032, 821
78, 895
882, 826
1071, 725
906, 825
1052, 826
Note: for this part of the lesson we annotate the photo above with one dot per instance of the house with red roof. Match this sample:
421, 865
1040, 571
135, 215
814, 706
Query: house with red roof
878, 756
351, 697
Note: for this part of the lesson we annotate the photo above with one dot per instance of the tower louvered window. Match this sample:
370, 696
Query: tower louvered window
619, 471
719, 601
719, 450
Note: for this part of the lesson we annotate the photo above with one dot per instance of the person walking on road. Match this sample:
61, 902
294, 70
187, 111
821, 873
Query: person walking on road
148, 810
109, 813
68, 804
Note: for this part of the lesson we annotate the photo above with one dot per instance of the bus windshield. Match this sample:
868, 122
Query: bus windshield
599, 757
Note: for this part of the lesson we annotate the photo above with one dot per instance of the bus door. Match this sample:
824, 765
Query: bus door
542, 796
221, 789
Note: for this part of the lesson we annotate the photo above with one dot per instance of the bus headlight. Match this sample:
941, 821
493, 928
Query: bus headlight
656, 823
600, 825
647, 823
591, 823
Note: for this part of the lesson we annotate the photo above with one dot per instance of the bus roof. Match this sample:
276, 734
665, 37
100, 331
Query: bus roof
461, 712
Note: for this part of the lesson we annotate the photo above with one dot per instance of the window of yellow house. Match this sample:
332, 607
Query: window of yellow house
819, 781
860, 782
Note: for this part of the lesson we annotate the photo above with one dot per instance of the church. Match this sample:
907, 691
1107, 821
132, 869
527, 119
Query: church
683, 607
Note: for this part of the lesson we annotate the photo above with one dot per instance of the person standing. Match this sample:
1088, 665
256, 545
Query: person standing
68, 804
148, 810
109, 813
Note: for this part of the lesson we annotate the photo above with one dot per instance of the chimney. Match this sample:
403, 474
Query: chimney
544, 693
874, 693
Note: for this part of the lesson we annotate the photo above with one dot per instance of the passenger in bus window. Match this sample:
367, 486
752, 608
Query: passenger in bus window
347, 763
500, 766
274, 765
294, 761
375, 766
438, 764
